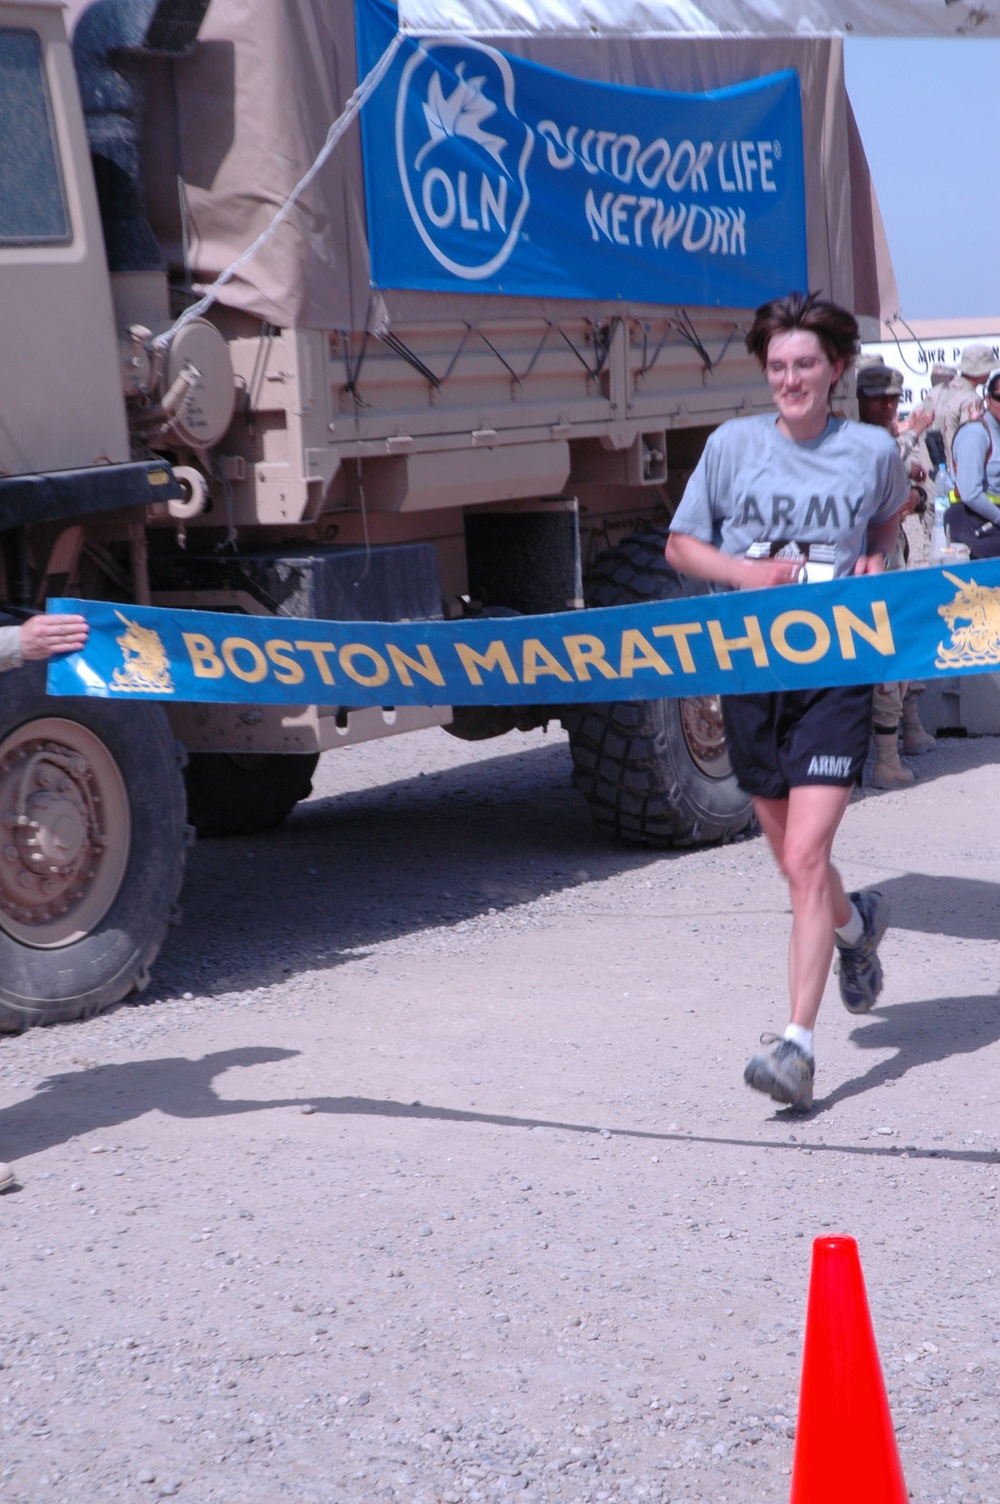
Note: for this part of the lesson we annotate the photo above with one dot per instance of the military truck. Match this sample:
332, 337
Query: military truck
308, 442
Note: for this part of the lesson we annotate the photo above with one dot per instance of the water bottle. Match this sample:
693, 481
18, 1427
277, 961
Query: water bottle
942, 500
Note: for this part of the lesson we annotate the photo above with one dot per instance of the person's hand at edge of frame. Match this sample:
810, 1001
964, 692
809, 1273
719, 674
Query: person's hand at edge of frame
45, 636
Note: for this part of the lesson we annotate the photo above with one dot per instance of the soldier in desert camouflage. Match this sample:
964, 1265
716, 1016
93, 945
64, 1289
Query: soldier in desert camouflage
958, 400
895, 706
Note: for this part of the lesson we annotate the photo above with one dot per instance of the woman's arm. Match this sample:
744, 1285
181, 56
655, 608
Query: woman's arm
880, 542
703, 561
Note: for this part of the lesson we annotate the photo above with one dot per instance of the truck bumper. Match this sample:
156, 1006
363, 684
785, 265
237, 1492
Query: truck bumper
295, 728
68, 495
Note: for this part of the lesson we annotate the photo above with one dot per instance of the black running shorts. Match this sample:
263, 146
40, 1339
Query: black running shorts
799, 737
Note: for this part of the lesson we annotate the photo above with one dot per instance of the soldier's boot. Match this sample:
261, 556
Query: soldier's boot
915, 739
888, 772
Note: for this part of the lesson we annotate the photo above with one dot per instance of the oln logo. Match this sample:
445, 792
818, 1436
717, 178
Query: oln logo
463, 155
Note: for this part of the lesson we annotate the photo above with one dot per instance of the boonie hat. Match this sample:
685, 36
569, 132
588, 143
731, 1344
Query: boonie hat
976, 360
865, 362
878, 381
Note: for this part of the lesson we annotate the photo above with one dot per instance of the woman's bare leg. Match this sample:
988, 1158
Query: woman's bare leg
800, 831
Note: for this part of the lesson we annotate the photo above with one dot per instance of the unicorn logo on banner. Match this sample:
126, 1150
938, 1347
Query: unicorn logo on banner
463, 155
147, 665
978, 644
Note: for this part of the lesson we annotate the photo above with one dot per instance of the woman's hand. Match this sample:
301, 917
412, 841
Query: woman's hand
761, 574
703, 561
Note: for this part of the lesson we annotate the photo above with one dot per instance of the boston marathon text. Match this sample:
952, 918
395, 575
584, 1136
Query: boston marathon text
794, 636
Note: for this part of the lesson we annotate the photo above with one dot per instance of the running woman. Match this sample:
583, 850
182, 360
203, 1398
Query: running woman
773, 501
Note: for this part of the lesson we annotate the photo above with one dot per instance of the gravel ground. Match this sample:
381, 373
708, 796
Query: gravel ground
425, 1171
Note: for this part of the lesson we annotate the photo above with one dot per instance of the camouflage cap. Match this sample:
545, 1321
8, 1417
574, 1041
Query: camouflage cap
940, 374
878, 381
976, 360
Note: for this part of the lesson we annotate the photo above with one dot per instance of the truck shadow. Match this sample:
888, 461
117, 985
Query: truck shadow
432, 852
350, 872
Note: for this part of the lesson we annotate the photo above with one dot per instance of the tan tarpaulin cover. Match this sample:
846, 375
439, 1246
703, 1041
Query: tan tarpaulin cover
267, 77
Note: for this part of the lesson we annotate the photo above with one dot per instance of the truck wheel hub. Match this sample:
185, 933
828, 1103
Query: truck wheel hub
54, 836
66, 824
705, 734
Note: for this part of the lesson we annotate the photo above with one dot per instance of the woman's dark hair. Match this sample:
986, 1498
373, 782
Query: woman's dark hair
834, 327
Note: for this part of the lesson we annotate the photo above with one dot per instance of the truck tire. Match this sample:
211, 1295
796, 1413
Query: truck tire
655, 772
239, 794
91, 852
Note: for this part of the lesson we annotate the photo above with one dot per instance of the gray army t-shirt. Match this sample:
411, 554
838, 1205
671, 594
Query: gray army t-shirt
754, 490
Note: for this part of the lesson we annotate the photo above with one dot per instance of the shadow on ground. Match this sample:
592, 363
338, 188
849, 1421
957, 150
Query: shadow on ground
350, 872
964, 907
98, 1097
921, 1033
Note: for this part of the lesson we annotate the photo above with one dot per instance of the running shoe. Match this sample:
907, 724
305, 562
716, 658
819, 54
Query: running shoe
783, 1071
859, 968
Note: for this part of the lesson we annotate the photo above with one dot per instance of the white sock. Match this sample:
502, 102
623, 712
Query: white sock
853, 932
802, 1037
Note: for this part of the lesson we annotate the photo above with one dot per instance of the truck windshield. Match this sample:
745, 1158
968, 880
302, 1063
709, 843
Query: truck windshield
32, 202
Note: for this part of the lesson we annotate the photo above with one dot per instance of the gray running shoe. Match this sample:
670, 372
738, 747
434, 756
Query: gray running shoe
860, 970
784, 1071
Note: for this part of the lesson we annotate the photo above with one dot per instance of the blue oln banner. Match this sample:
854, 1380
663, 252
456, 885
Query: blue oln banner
920, 624
486, 171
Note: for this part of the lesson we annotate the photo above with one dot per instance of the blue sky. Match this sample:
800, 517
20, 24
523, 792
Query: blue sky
924, 112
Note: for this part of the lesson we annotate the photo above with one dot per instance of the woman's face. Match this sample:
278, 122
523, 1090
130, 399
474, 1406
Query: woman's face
800, 377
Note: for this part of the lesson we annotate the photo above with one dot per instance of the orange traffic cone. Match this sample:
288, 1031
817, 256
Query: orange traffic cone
845, 1447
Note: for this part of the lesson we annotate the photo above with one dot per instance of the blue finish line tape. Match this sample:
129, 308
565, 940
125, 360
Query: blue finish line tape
921, 624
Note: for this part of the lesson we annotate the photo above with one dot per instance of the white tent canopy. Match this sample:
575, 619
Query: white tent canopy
649, 18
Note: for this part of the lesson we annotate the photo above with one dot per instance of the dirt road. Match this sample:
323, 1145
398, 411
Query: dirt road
425, 1170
